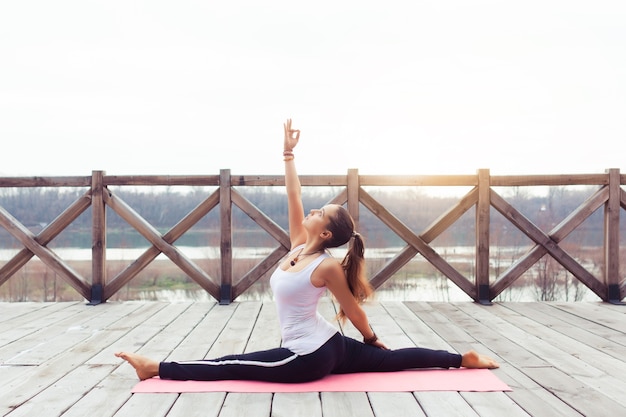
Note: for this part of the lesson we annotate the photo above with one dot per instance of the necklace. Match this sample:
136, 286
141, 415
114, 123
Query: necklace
301, 255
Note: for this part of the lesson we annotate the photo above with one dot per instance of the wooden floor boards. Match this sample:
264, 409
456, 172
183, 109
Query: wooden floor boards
561, 359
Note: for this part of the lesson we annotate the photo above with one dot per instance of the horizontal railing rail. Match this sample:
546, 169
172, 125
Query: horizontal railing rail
482, 198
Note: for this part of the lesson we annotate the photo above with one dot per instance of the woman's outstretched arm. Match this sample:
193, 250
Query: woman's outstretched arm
295, 209
333, 276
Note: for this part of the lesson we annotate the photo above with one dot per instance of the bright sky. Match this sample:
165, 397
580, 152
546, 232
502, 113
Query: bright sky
394, 87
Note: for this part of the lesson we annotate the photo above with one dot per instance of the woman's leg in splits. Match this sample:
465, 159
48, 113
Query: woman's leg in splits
278, 365
360, 357
274, 365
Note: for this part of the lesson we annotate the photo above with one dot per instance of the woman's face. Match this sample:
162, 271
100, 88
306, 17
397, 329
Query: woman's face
318, 219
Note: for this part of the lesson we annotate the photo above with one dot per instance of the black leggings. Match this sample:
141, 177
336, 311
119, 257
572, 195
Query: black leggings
340, 355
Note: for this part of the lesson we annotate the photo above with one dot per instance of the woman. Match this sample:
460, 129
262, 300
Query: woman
311, 346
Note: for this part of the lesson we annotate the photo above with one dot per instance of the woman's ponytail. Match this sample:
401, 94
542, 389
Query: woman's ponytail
354, 266
342, 227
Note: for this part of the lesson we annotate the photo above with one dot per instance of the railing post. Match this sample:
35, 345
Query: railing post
611, 239
226, 238
353, 195
98, 238
482, 237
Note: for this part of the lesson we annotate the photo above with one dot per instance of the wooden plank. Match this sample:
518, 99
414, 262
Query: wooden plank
578, 395
236, 334
528, 395
58, 181
114, 391
59, 337
197, 343
420, 334
21, 322
549, 353
105, 398
297, 405
612, 276
384, 325
167, 180
313, 180
419, 180
153, 405
154, 317
454, 330
266, 332
553, 180
226, 239
64, 393
46, 374
98, 238
9, 312
493, 404
185, 318
340, 404
597, 313
247, 404
35, 347
201, 404
495, 333
482, 237
444, 404
353, 190
532, 397
394, 404
578, 329
565, 353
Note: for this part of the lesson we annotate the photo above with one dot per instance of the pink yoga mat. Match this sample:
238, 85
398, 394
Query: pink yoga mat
422, 380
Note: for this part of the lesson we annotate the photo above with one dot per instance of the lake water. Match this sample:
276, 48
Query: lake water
406, 288
213, 252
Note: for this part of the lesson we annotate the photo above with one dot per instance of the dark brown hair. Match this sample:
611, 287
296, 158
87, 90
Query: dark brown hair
341, 225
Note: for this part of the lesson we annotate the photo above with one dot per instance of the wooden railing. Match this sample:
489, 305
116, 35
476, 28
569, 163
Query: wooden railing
610, 287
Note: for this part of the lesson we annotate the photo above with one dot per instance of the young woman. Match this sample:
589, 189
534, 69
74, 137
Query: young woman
311, 346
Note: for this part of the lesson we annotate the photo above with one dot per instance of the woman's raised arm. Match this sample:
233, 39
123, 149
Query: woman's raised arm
295, 209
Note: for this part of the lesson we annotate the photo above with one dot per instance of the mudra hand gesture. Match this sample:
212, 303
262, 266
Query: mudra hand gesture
291, 136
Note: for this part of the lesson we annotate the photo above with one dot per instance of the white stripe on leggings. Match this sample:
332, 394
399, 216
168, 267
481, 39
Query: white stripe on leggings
242, 362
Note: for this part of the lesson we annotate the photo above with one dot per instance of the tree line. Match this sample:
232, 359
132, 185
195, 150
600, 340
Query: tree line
162, 208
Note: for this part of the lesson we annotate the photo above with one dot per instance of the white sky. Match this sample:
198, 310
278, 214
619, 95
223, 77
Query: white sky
394, 87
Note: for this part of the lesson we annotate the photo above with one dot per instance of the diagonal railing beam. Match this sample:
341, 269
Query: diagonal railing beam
47, 256
153, 236
193, 217
417, 243
552, 247
47, 234
560, 232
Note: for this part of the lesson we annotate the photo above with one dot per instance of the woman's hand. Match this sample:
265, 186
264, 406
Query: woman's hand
380, 345
291, 136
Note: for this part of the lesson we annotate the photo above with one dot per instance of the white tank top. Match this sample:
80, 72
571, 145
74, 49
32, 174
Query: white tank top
303, 329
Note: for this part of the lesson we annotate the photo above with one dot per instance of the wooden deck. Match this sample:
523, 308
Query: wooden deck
561, 359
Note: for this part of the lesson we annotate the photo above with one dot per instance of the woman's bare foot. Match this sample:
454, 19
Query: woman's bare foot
145, 367
472, 359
